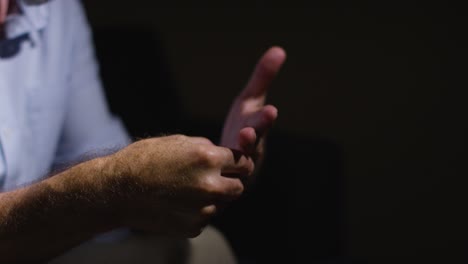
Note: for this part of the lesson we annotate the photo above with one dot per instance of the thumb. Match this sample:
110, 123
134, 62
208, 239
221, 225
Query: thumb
266, 70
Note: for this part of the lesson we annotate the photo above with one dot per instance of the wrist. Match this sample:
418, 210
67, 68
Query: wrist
117, 187
109, 185
85, 189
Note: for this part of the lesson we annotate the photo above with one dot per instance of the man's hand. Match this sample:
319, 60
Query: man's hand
173, 185
249, 118
168, 185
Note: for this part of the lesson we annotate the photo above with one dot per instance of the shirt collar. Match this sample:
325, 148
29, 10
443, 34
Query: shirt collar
37, 14
31, 18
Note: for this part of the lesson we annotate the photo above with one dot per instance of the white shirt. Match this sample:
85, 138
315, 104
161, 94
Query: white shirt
52, 106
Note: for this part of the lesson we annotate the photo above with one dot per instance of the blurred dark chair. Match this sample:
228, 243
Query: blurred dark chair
294, 212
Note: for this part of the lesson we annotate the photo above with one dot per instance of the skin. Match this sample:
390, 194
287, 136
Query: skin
168, 185
3, 10
249, 118
5, 3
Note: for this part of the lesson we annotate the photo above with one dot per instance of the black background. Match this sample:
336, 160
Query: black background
367, 162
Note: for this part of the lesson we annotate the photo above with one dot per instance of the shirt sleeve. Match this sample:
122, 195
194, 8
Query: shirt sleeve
89, 127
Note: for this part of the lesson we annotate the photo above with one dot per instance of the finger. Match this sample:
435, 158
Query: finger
233, 189
219, 188
208, 211
263, 119
247, 139
264, 73
234, 162
252, 146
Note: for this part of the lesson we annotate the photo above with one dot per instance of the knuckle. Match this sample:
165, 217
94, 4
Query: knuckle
251, 168
208, 211
237, 190
206, 141
247, 168
202, 140
212, 187
206, 156
217, 189
178, 137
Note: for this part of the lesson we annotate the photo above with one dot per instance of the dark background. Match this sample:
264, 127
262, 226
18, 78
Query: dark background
367, 162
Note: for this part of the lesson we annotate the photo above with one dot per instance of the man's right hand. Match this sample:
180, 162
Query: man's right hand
173, 185
168, 186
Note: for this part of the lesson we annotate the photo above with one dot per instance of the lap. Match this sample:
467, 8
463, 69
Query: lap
209, 247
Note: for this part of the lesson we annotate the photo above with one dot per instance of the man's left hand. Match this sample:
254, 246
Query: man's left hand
249, 118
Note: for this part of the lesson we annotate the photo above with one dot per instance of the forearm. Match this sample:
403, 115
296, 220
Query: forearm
41, 221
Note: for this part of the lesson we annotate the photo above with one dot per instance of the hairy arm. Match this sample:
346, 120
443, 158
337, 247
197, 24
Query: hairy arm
41, 221
169, 186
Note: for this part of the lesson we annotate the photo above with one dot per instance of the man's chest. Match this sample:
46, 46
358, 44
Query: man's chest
32, 109
33, 98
